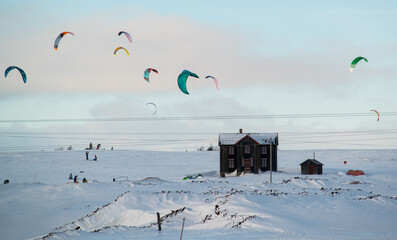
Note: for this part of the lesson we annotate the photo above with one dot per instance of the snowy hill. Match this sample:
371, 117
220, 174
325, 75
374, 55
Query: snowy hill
41, 202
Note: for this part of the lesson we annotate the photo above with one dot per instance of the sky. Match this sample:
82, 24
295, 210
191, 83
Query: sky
282, 67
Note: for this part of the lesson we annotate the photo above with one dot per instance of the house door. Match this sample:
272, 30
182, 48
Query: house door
310, 169
247, 163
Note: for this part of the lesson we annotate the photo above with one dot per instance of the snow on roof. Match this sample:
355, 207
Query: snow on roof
233, 138
313, 160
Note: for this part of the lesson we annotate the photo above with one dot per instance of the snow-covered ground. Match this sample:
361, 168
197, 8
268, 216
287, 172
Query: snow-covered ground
41, 202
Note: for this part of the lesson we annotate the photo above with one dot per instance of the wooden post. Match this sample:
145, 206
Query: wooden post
183, 224
158, 221
271, 160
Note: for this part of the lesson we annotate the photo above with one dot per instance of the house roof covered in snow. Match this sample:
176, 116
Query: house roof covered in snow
233, 138
314, 161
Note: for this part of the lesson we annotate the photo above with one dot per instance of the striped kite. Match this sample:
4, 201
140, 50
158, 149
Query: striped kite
127, 35
115, 51
58, 39
215, 80
147, 72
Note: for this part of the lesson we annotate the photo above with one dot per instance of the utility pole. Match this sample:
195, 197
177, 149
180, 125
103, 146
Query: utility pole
271, 160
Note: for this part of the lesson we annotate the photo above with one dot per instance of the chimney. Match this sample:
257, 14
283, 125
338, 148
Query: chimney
241, 131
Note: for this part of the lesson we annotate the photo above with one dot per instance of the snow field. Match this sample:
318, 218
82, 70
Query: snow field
329, 206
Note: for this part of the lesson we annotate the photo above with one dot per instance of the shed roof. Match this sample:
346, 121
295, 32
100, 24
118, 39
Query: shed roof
314, 161
233, 138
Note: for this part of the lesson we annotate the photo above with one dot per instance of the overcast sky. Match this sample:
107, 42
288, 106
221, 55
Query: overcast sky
272, 58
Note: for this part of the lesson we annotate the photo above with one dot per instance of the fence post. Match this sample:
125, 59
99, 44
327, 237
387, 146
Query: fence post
183, 224
271, 160
158, 221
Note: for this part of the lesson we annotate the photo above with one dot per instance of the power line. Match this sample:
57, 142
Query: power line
142, 142
111, 133
189, 118
343, 143
175, 140
155, 135
339, 135
151, 135
284, 133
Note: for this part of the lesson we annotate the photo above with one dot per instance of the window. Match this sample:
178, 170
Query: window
264, 150
231, 150
247, 149
231, 162
264, 162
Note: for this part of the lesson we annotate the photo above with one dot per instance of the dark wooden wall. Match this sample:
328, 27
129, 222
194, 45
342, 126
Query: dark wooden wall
239, 154
305, 168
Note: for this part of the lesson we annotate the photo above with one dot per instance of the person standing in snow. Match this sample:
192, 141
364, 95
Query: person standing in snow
70, 176
95, 158
86, 155
75, 179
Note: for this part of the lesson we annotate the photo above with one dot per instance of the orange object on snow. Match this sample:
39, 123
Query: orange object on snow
355, 172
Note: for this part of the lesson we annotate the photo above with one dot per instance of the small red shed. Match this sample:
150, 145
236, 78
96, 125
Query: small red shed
311, 166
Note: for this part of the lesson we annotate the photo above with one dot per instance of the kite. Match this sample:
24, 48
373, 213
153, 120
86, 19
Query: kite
115, 51
215, 80
58, 39
355, 61
182, 78
155, 107
193, 177
20, 71
147, 72
376, 113
127, 35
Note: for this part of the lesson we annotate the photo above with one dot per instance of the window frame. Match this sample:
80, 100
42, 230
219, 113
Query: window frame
264, 162
247, 149
231, 150
231, 162
264, 150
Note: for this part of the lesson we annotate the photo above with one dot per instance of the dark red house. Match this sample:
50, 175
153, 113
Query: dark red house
247, 152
